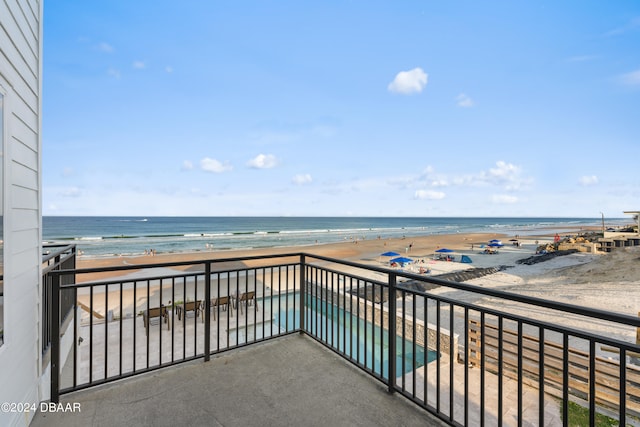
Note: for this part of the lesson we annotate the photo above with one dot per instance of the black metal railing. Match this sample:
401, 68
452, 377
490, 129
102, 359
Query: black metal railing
495, 353
135, 319
468, 355
55, 258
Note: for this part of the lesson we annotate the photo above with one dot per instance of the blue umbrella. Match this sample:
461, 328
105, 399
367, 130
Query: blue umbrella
444, 250
401, 260
390, 254
495, 245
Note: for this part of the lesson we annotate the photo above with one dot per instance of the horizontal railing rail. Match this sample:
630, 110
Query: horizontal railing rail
53, 253
467, 354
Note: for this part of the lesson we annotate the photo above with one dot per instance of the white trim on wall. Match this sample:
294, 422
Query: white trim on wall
4, 100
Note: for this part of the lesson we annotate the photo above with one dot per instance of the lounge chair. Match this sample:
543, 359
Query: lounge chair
223, 302
195, 306
247, 298
159, 312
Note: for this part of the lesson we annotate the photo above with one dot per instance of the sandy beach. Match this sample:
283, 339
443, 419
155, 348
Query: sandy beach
365, 251
361, 250
603, 281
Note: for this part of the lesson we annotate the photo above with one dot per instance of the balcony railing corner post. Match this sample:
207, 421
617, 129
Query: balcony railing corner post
207, 311
303, 291
55, 338
392, 333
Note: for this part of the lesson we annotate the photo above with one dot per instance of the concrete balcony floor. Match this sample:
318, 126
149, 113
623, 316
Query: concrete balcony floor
290, 381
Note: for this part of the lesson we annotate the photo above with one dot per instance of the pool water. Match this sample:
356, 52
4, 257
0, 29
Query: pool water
353, 336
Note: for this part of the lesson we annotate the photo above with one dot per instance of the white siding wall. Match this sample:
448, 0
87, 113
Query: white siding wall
20, 80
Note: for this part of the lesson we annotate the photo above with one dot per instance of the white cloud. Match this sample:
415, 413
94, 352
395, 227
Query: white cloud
504, 173
168, 69
588, 180
263, 161
187, 165
431, 179
139, 65
504, 170
463, 180
212, 165
429, 195
504, 199
631, 79
403, 181
114, 72
408, 82
464, 101
105, 47
439, 183
302, 179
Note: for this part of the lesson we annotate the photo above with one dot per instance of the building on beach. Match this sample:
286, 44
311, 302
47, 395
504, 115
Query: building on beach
621, 238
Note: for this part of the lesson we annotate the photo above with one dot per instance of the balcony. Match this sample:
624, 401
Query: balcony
300, 338
288, 381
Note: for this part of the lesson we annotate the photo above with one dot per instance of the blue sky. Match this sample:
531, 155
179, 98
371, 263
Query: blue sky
340, 108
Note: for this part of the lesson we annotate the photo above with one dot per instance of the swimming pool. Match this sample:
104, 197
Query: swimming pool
366, 343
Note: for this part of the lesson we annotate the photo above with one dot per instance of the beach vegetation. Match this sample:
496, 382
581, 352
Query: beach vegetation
579, 417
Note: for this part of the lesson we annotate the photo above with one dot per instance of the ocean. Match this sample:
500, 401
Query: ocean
108, 236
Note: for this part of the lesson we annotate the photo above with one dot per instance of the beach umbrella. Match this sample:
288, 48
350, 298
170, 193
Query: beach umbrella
390, 254
444, 250
401, 260
495, 245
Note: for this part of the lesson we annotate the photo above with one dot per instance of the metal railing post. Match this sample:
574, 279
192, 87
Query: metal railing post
55, 338
303, 291
392, 333
207, 311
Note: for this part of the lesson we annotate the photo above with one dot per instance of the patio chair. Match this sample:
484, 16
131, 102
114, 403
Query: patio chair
195, 306
223, 302
155, 312
247, 298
